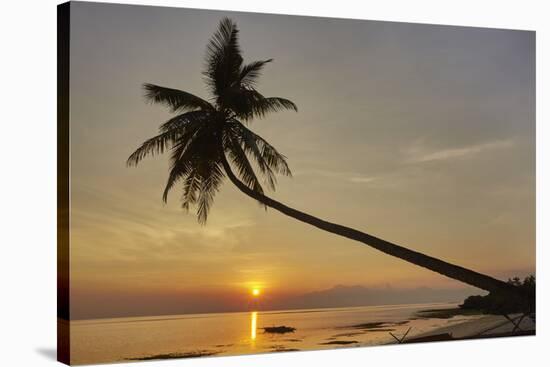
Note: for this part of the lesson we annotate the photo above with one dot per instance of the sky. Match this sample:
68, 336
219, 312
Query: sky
423, 135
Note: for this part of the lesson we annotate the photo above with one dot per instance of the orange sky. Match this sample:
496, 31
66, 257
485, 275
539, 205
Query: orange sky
422, 135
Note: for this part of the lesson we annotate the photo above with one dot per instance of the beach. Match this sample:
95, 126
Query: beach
488, 326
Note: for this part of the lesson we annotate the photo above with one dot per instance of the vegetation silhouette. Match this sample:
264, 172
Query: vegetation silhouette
495, 303
208, 139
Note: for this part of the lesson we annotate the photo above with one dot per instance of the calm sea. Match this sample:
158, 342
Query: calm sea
161, 337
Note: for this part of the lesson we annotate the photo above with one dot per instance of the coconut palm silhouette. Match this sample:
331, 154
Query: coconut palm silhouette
208, 139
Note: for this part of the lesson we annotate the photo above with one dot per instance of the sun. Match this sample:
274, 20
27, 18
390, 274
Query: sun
256, 292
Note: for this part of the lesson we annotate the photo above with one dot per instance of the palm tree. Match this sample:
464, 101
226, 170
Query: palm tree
208, 139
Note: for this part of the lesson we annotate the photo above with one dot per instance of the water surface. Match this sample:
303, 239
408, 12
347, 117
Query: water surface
159, 337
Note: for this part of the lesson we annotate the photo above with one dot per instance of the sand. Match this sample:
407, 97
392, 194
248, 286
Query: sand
487, 326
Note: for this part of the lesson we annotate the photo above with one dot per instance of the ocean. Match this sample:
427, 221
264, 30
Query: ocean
196, 335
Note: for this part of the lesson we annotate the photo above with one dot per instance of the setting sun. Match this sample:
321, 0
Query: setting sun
256, 292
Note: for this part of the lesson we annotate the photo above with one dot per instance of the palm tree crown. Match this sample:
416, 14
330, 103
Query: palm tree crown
204, 133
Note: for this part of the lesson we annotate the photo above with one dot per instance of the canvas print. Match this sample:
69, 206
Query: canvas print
236, 183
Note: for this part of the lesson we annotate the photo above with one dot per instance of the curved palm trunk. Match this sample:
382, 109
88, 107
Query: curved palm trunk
450, 270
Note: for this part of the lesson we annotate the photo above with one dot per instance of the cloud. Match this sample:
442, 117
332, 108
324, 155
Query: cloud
362, 179
352, 177
419, 155
111, 226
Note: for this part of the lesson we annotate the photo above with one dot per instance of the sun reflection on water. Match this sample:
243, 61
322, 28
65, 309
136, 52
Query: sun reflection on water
253, 323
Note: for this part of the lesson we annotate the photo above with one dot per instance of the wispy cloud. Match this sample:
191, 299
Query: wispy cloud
418, 154
362, 179
352, 177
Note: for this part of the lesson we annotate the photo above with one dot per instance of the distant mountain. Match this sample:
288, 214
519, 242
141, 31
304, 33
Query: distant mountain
347, 296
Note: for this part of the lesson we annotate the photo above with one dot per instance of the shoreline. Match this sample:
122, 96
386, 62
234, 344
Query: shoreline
260, 311
487, 326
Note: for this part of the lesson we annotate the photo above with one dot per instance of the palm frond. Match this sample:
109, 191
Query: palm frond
253, 150
184, 160
223, 58
172, 130
268, 159
211, 179
177, 100
244, 168
155, 145
268, 153
181, 121
274, 104
251, 72
191, 186
191, 159
248, 103
263, 106
179, 169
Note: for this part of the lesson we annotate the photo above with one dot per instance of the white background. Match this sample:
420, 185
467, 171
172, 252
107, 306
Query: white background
28, 182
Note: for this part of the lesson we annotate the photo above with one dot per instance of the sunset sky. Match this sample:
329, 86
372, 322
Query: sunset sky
423, 135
